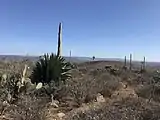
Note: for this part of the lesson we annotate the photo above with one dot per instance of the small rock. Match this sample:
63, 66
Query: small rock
100, 98
5, 103
61, 115
123, 85
39, 85
4, 76
55, 103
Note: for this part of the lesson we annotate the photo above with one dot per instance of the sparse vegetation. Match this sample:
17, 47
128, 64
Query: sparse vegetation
52, 88
80, 93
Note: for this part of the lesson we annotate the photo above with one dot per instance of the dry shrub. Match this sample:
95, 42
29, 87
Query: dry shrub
130, 78
27, 108
127, 109
86, 88
149, 92
144, 91
14, 66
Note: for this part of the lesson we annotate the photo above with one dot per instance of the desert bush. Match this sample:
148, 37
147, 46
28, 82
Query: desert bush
144, 91
10, 87
16, 105
150, 90
27, 108
85, 89
13, 66
127, 109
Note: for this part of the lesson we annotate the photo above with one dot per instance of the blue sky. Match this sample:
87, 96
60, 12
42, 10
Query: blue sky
104, 28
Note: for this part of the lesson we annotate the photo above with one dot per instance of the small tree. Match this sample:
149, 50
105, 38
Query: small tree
93, 57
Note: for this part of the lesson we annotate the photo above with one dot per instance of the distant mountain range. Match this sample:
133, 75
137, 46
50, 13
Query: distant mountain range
74, 59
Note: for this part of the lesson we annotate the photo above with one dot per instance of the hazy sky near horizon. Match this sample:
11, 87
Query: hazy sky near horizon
104, 28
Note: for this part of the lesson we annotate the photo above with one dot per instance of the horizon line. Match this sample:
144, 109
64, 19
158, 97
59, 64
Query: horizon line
113, 58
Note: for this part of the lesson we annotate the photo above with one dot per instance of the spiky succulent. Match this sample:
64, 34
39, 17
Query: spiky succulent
51, 68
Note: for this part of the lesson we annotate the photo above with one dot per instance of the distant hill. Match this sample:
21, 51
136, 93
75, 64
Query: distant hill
74, 59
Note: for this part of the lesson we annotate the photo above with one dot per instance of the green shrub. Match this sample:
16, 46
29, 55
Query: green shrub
51, 69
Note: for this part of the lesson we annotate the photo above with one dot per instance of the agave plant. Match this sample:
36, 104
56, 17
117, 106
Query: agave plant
51, 68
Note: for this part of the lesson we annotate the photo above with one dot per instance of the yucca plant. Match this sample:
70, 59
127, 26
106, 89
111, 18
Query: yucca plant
51, 68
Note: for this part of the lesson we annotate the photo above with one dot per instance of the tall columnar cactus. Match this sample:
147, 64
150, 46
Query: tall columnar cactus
70, 55
144, 63
141, 66
59, 52
130, 66
125, 61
